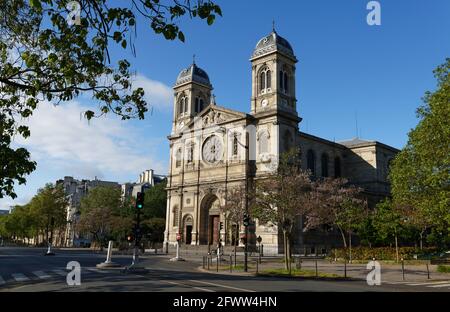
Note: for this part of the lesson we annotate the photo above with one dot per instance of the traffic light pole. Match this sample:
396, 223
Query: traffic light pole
137, 239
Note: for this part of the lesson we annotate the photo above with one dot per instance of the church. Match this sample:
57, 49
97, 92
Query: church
214, 149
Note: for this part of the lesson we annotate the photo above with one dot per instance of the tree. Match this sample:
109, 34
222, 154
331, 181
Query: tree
337, 204
420, 173
97, 213
155, 201
46, 53
48, 207
389, 221
234, 210
282, 197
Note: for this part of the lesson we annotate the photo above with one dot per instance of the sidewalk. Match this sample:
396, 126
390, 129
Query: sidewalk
389, 272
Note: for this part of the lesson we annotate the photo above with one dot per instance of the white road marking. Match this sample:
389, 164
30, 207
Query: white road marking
181, 284
41, 274
428, 283
2, 281
19, 277
223, 286
441, 285
60, 272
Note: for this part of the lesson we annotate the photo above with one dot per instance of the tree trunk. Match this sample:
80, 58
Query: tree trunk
421, 240
285, 250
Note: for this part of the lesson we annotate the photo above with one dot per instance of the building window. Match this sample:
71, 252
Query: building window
324, 165
265, 80
178, 155
199, 104
284, 81
235, 145
311, 162
337, 167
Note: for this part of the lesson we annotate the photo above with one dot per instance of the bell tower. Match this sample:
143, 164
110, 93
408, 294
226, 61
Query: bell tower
192, 93
273, 75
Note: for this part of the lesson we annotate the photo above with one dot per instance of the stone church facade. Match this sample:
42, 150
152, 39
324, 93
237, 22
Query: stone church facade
214, 149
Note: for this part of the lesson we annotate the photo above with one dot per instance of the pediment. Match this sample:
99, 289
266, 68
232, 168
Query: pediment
215, 115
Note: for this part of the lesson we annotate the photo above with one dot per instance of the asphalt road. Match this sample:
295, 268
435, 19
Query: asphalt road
26, 269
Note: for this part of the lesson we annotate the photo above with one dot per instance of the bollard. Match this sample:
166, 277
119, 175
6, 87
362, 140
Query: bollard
156, 250
217, 262
257, 266
403, 269
317, 273
231, 263
428, 271
207, 259
262, 250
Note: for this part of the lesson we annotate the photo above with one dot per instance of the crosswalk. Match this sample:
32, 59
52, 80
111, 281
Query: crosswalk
40, 275
434, 284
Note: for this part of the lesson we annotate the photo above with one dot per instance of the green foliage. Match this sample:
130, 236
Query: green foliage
443, 268
45, 213
420, 173
43, 57
153, 229
101, 215
155, 201
384, 253
387, 220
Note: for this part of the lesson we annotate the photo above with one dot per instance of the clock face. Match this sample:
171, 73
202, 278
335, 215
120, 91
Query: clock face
212, 149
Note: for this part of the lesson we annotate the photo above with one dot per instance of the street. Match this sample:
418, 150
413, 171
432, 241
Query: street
26, 269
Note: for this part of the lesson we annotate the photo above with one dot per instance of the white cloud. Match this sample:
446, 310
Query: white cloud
107, 146
157, 94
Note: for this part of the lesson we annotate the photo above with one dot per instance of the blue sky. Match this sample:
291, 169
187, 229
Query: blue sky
346, 69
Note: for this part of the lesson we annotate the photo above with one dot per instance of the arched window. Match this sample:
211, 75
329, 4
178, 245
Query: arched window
268, 79
324, 165
199, 104
311, 162
265, 80
178, 155
337, 167
235, 145
262, 81
180, 106
186, 102
284, 80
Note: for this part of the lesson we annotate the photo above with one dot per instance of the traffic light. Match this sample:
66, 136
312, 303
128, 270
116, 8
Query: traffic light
130, 238
221, 226
246, 220
140, 200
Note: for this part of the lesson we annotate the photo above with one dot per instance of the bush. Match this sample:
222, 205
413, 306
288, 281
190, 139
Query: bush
443, 268
384, 253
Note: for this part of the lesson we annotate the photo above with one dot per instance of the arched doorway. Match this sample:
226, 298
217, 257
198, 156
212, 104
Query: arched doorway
210, 220
187, 229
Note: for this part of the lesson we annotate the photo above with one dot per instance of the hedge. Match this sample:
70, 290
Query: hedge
385, 253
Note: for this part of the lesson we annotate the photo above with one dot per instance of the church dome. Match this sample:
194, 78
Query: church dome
193, 74
273, 42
